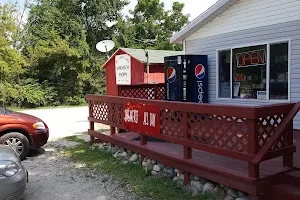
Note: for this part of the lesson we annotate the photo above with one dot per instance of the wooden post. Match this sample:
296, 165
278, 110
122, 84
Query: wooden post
187, 155
187, 151
112, 130
288, 158
143, 139
119, 91
155, 92
253, 169
120, 95
110, 117
92, 127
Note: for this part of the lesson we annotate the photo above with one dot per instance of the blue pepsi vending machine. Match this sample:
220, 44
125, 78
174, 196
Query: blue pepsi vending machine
186, 78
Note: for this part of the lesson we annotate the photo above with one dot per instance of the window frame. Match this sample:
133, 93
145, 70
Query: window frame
268, 43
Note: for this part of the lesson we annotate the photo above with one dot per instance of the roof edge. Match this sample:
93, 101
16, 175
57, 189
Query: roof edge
119, 49
104, 65
128, 53
184, 32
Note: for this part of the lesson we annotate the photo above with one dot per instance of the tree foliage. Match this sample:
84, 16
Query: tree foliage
150, 21
60, 45
15, 87
52, 59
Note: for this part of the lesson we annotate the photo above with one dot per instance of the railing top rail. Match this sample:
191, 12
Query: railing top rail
214, 109
273, 109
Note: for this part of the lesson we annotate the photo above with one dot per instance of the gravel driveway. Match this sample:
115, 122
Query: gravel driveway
53, 177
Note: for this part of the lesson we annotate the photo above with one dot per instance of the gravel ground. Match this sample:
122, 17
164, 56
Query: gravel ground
53, 177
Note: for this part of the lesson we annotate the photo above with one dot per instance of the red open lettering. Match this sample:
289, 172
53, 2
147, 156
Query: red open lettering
254, 58
247, 57
262, 57
251, 58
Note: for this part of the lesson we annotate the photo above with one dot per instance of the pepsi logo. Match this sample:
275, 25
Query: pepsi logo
200, 71
171, 75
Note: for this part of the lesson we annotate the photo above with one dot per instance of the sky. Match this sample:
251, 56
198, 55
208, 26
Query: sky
192, 7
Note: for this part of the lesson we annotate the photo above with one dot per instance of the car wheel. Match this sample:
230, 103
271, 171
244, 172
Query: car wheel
18, 142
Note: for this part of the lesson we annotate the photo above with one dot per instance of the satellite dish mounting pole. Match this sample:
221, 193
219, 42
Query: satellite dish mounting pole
145, 42
147, 65
106, 51
105, 46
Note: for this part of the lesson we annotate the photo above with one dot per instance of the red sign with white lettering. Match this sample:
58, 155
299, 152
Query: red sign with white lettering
142, 118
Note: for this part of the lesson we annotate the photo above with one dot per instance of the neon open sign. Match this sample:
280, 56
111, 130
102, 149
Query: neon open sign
251, 58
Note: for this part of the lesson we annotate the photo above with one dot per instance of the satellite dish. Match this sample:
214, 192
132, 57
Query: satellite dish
105, 46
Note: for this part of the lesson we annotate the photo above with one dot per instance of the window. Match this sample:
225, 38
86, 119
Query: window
224, 74
279, 71
254, 72
249, 71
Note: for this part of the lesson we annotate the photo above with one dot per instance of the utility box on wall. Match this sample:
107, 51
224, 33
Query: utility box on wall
129, 67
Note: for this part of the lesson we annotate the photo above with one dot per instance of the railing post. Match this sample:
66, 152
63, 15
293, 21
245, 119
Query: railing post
288, 158
187, 151
92, 127
92, 138
119, 91
143, 139
120, 95
155, 92
112, 130
110, 117
253, 169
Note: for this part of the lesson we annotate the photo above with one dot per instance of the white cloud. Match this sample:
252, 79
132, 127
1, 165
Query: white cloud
192, 7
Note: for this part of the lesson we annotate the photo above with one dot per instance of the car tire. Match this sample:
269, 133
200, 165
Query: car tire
18, 141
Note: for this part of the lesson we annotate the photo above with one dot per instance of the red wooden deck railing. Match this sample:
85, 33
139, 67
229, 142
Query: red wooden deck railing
251, 134
143, 91
279, 133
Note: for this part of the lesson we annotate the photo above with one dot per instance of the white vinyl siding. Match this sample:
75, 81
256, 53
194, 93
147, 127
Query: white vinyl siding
260, 35
247, 14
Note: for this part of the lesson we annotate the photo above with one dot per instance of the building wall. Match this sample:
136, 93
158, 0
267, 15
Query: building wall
209, 45
137, 73
156, 73
247, 14
111, 87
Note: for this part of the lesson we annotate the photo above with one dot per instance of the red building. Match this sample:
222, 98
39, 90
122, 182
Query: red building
129, 67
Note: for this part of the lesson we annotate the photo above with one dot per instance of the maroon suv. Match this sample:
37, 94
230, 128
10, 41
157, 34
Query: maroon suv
22, 132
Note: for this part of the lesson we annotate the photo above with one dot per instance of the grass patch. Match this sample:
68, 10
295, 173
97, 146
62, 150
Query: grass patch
142, 184
75, 139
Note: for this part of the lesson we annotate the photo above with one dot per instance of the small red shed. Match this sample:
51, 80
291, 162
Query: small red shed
129, 67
